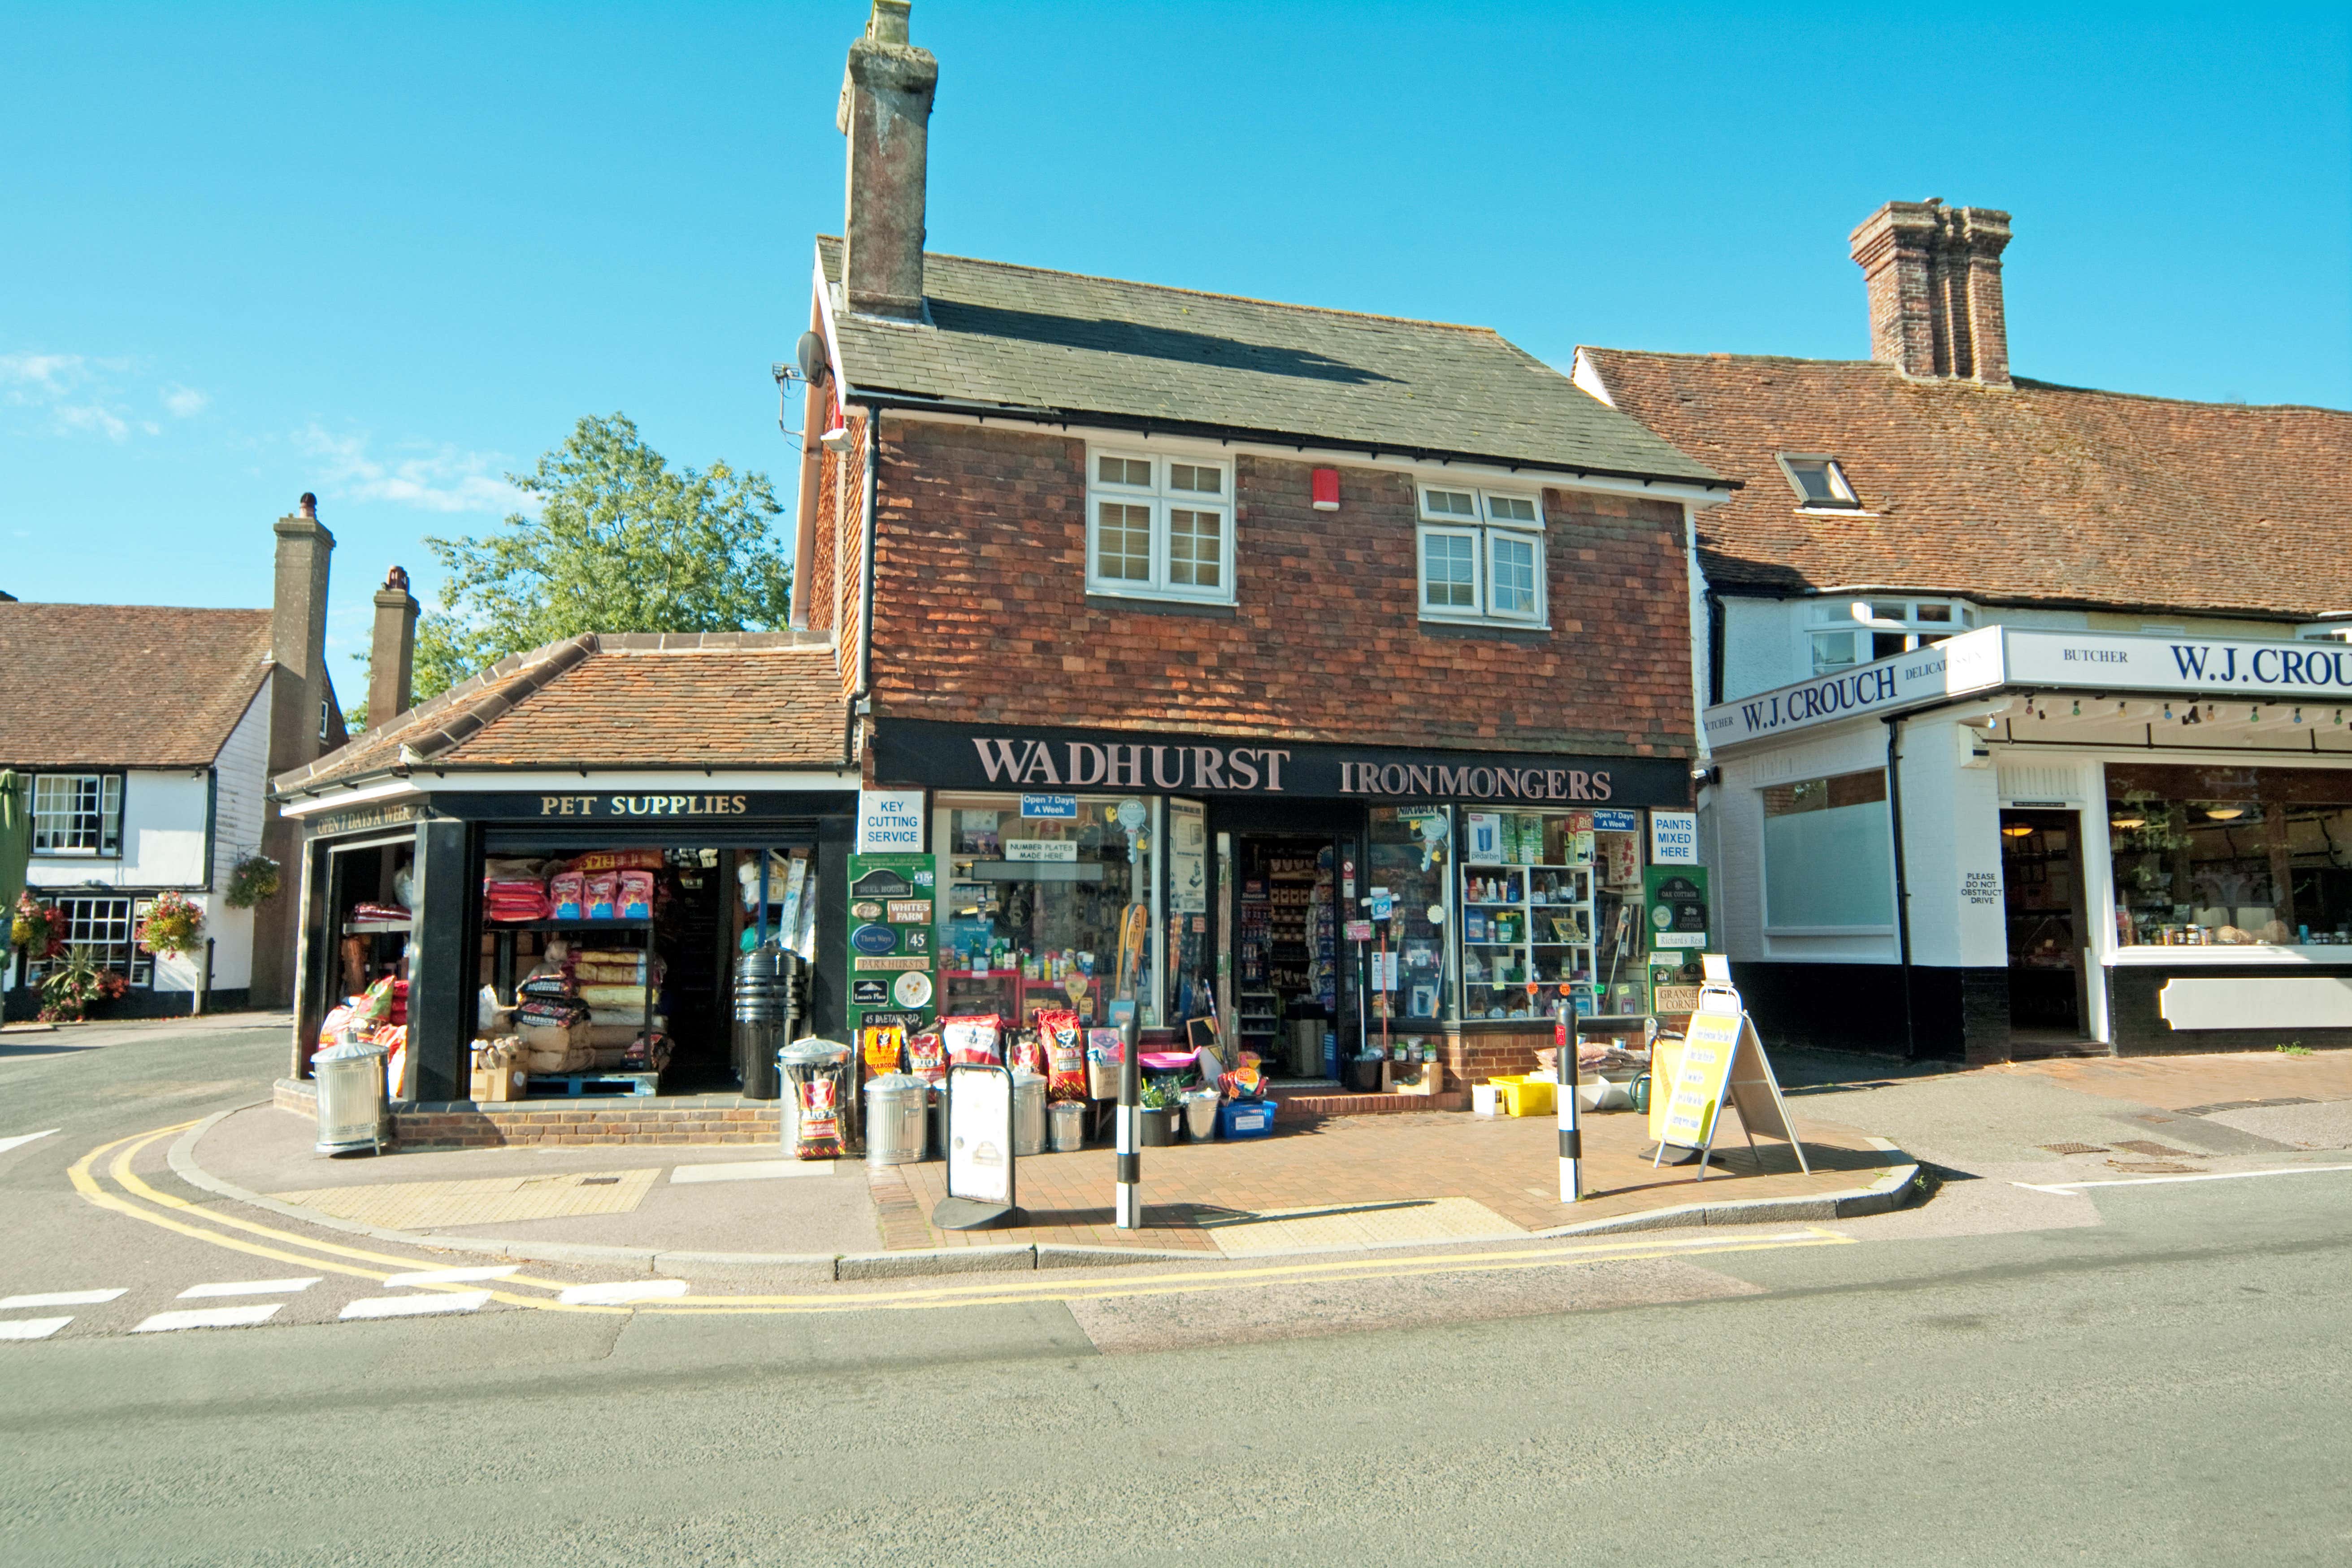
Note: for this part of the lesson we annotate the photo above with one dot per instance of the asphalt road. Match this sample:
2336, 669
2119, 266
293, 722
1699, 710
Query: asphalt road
2145, 1374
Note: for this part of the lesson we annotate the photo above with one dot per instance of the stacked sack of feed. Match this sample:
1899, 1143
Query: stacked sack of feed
618, 986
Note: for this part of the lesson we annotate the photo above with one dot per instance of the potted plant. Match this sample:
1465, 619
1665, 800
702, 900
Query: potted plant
1161, 1106
171, 925
69, 991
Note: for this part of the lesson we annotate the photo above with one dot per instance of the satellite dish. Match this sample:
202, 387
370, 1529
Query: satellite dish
811, 355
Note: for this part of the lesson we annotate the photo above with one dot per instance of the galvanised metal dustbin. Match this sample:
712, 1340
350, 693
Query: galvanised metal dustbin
350, 1098
897, 1120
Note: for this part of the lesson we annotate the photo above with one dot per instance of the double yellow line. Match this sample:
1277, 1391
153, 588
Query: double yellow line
134, 1198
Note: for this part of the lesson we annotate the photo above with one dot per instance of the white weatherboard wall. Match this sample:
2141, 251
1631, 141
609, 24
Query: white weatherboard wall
1739, 870
239, 801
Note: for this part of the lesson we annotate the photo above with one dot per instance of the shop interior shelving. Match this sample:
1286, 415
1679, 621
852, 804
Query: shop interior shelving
504, 931
1522, 924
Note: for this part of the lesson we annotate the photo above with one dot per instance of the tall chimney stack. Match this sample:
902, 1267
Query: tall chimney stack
886, 112
1933, 274
297, 637
392, 653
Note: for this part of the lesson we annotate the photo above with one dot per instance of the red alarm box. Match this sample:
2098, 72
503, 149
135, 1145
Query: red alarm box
1327, 490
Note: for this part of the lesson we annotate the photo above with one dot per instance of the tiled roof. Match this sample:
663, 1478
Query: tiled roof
2024, 493
1022, 338
732, 700
110, 686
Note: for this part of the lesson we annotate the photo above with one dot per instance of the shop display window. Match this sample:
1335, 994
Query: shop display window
2230, 857
1547, 899
1829, 856
1046, 912
1410, 851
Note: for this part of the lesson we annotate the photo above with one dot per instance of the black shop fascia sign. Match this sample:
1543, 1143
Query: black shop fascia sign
936, 755
577, 807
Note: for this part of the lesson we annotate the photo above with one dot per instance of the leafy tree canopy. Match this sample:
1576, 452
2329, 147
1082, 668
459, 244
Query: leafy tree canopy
622, 543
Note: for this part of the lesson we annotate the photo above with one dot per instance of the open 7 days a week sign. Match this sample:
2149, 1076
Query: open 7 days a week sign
1723, 1061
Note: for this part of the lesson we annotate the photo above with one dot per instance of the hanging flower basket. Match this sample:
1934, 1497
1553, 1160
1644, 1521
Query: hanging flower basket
39, 929
171, 925
253, 879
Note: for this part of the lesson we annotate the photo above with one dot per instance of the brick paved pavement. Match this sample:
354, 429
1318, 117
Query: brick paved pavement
2179, 1082
1508, 1164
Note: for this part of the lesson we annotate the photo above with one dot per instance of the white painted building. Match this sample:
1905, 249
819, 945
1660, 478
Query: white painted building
2024, 706
145, 737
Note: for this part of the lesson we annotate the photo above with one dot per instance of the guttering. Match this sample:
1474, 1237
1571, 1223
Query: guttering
1065, 418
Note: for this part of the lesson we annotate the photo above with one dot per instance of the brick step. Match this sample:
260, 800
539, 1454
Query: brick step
1294, 1106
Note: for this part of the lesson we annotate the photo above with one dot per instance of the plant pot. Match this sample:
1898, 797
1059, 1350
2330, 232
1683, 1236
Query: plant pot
1364, 1076
1160, 1128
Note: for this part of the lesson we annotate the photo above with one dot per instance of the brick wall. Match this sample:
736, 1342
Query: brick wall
564, 1123
1475, 1058
982, 615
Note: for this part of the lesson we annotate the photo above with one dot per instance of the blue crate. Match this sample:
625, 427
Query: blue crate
1245, 1119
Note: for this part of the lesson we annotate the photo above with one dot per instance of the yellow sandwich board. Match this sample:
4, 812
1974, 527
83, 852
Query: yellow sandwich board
1722, 1060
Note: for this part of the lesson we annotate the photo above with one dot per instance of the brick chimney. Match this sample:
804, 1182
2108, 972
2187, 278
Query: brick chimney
886, 112
392, 653
297, 637
1933, 273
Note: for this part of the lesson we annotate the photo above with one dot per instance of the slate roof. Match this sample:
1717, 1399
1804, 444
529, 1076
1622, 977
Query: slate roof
117, 686
1025, 338
2038, 493
732, 699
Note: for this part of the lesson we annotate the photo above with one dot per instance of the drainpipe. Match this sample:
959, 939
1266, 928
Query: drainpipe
1902, 880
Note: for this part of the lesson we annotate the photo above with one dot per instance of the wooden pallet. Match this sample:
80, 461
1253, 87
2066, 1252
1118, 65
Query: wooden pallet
578, 1085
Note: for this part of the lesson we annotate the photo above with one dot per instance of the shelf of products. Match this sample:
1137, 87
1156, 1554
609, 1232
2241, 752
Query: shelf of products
1522, 924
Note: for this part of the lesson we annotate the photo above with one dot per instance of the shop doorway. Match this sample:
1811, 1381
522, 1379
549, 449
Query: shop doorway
1292, 996
2041, 878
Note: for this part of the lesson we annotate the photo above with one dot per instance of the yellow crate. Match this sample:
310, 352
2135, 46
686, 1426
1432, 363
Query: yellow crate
1523, 1095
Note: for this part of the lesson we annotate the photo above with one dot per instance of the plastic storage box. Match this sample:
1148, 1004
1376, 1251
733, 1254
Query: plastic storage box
1522, 1096
1245, 1119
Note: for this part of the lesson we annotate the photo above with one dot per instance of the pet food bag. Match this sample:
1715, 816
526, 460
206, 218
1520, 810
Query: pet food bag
567, 892
976, 1038
603, 895
1025, 1053
637, 895
1065, 1045
927, 1056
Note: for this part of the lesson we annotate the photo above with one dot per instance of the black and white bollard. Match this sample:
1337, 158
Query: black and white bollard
1572, 1142
1129, 1139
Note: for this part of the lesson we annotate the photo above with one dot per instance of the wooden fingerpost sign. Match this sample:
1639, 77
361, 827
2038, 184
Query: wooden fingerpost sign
1723, 1061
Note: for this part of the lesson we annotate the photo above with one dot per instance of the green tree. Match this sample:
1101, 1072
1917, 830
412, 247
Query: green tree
622, 543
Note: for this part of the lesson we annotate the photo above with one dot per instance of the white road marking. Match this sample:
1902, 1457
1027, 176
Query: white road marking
416, 1306
211, 1317
452, 1276
21, 1138
752, 1170
620, 1292
62, 1298
33, 1328
2155, 1180
250, 1288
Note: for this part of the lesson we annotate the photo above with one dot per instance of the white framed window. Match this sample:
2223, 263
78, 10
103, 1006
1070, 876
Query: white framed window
1829, 856
1844, 633
107, 926
78, 814
1159, 526
1819, 482
1482, 556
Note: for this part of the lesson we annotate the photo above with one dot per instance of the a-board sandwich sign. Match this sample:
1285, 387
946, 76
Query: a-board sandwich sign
980, 1133
1709, 1043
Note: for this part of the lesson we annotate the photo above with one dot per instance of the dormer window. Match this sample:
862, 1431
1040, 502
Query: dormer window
1847, 632
1819, 482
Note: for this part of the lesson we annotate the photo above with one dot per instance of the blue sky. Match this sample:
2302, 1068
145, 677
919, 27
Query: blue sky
390, 253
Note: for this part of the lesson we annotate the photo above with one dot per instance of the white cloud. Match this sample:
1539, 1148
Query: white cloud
184, 401
74, 390
434, 479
